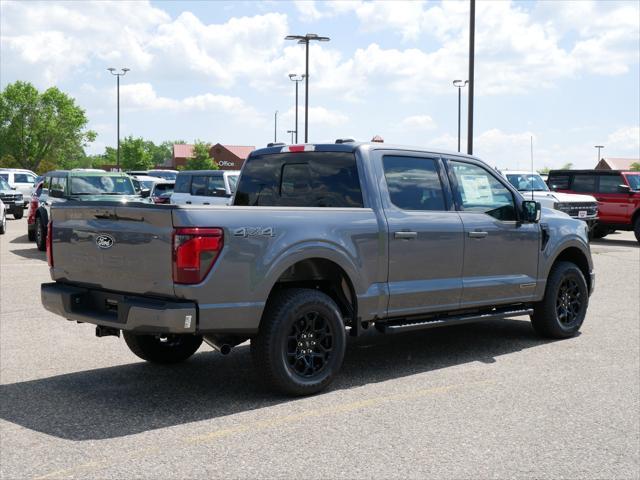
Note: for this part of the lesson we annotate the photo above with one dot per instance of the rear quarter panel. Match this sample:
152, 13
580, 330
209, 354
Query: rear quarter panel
260, 243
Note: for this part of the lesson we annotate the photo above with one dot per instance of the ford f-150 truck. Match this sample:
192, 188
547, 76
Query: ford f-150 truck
321, 241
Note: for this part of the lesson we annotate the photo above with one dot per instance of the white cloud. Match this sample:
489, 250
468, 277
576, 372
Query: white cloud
625, 140
142, 96
418, 122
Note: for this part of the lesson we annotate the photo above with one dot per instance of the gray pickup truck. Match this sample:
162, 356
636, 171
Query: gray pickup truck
321, 241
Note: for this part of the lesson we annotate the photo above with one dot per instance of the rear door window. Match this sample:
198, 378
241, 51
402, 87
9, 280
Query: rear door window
23, 178
413, 183
559, 182
59, 183
305, 179
610, 183
183, 183
584, 183
199, 185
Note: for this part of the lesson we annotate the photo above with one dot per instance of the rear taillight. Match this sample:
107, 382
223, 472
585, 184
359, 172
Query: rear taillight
49, 243
33, 206
195, 250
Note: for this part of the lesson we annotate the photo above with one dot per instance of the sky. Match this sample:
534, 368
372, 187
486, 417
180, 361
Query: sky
566, 74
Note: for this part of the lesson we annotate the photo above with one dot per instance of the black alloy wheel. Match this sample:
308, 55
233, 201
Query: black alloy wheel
568, 302
309, 345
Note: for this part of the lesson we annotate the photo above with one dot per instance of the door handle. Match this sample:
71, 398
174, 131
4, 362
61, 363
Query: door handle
478, 234
188, 202
206, 203
405, 235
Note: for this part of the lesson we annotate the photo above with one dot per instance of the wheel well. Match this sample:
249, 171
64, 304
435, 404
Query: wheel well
326, 276
635, 215
575, 256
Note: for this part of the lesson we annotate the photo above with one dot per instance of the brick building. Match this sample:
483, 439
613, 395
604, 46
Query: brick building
616, 163
227, 157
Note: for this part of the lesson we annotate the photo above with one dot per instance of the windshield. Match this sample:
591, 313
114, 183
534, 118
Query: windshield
166, 174
634, 180
4, 185
527, 182
97, 185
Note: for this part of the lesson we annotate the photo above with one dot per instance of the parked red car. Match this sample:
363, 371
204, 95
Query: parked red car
617, 192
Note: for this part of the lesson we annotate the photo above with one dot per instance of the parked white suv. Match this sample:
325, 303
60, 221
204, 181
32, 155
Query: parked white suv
532, 187
205, 187
22, 180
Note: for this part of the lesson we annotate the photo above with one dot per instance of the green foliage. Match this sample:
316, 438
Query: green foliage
544, 170
36, 126
135, 154
567, 166
201, 159
635, 167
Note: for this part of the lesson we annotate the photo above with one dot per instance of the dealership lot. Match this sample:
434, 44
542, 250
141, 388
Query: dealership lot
484, 400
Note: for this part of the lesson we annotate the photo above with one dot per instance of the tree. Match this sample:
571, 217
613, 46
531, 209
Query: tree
635, 167
544, 170
36, 126
135, 154
567, 166
201, 159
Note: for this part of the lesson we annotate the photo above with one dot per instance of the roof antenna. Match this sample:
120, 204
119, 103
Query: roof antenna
531, 167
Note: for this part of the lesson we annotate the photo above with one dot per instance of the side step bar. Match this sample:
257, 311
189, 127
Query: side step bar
408, 326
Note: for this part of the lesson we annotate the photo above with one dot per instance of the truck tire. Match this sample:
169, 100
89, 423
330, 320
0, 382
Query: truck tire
301, 343
18, 213
600, 232
31, 235
562, 310
3, 224
41, 234
167, 348
636, 228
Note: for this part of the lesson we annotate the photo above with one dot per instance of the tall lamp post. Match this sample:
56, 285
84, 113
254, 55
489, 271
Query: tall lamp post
459, 84
305, 40
297, 79
275, 127
119, 74
292, 132
472, 43
599, 147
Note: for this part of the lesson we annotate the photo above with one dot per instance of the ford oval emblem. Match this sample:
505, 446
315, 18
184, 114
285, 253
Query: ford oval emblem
104, 241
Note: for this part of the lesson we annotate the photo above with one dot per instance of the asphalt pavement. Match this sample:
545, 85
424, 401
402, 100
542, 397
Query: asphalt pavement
489, 400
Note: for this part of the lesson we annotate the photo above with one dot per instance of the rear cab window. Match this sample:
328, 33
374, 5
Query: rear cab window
559, 181
413, 183
183, 183
584, 183
304, 179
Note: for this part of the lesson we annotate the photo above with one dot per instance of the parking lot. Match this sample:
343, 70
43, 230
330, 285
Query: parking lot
488, 400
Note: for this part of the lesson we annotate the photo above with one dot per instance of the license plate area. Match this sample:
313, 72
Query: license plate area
582, 213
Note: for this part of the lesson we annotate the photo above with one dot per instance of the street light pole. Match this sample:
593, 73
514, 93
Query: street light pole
305, 40
292, 132
275, 127
472, 35
122, 73
297, 79
459, 84
599, 147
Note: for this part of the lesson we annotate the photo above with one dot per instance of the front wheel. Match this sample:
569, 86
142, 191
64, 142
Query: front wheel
562, 310
600, 232
301, 343
18, 213
164, 348
3, 224
41, 235
636, 228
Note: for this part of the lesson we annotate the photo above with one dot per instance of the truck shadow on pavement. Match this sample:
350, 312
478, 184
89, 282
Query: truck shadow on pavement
22, 239
616, 242
129, 399
30, 253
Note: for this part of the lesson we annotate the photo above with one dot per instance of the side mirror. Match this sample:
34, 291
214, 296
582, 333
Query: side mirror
145, 192
531, 211
624, 188
56, 193
220, 192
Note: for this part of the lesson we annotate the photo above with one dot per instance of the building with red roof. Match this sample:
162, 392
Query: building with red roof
226, 157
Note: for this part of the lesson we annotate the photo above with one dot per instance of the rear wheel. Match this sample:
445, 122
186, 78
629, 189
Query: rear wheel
636, 228
3, 224
41, 235
165, 348
18, 213
301, 343
31, 235
562, 310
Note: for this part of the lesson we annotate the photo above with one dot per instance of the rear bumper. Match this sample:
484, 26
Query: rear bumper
123, 312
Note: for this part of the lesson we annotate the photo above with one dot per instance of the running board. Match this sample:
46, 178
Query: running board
408, 326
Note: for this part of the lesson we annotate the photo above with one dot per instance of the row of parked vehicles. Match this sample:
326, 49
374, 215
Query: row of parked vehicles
607, 200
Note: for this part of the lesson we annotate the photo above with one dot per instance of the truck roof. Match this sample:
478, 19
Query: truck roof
353, 146
85, 173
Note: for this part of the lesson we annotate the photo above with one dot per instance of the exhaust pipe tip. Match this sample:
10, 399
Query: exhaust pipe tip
223, 348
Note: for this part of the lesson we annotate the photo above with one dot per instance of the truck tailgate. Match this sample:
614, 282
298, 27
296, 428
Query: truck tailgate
113, 246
